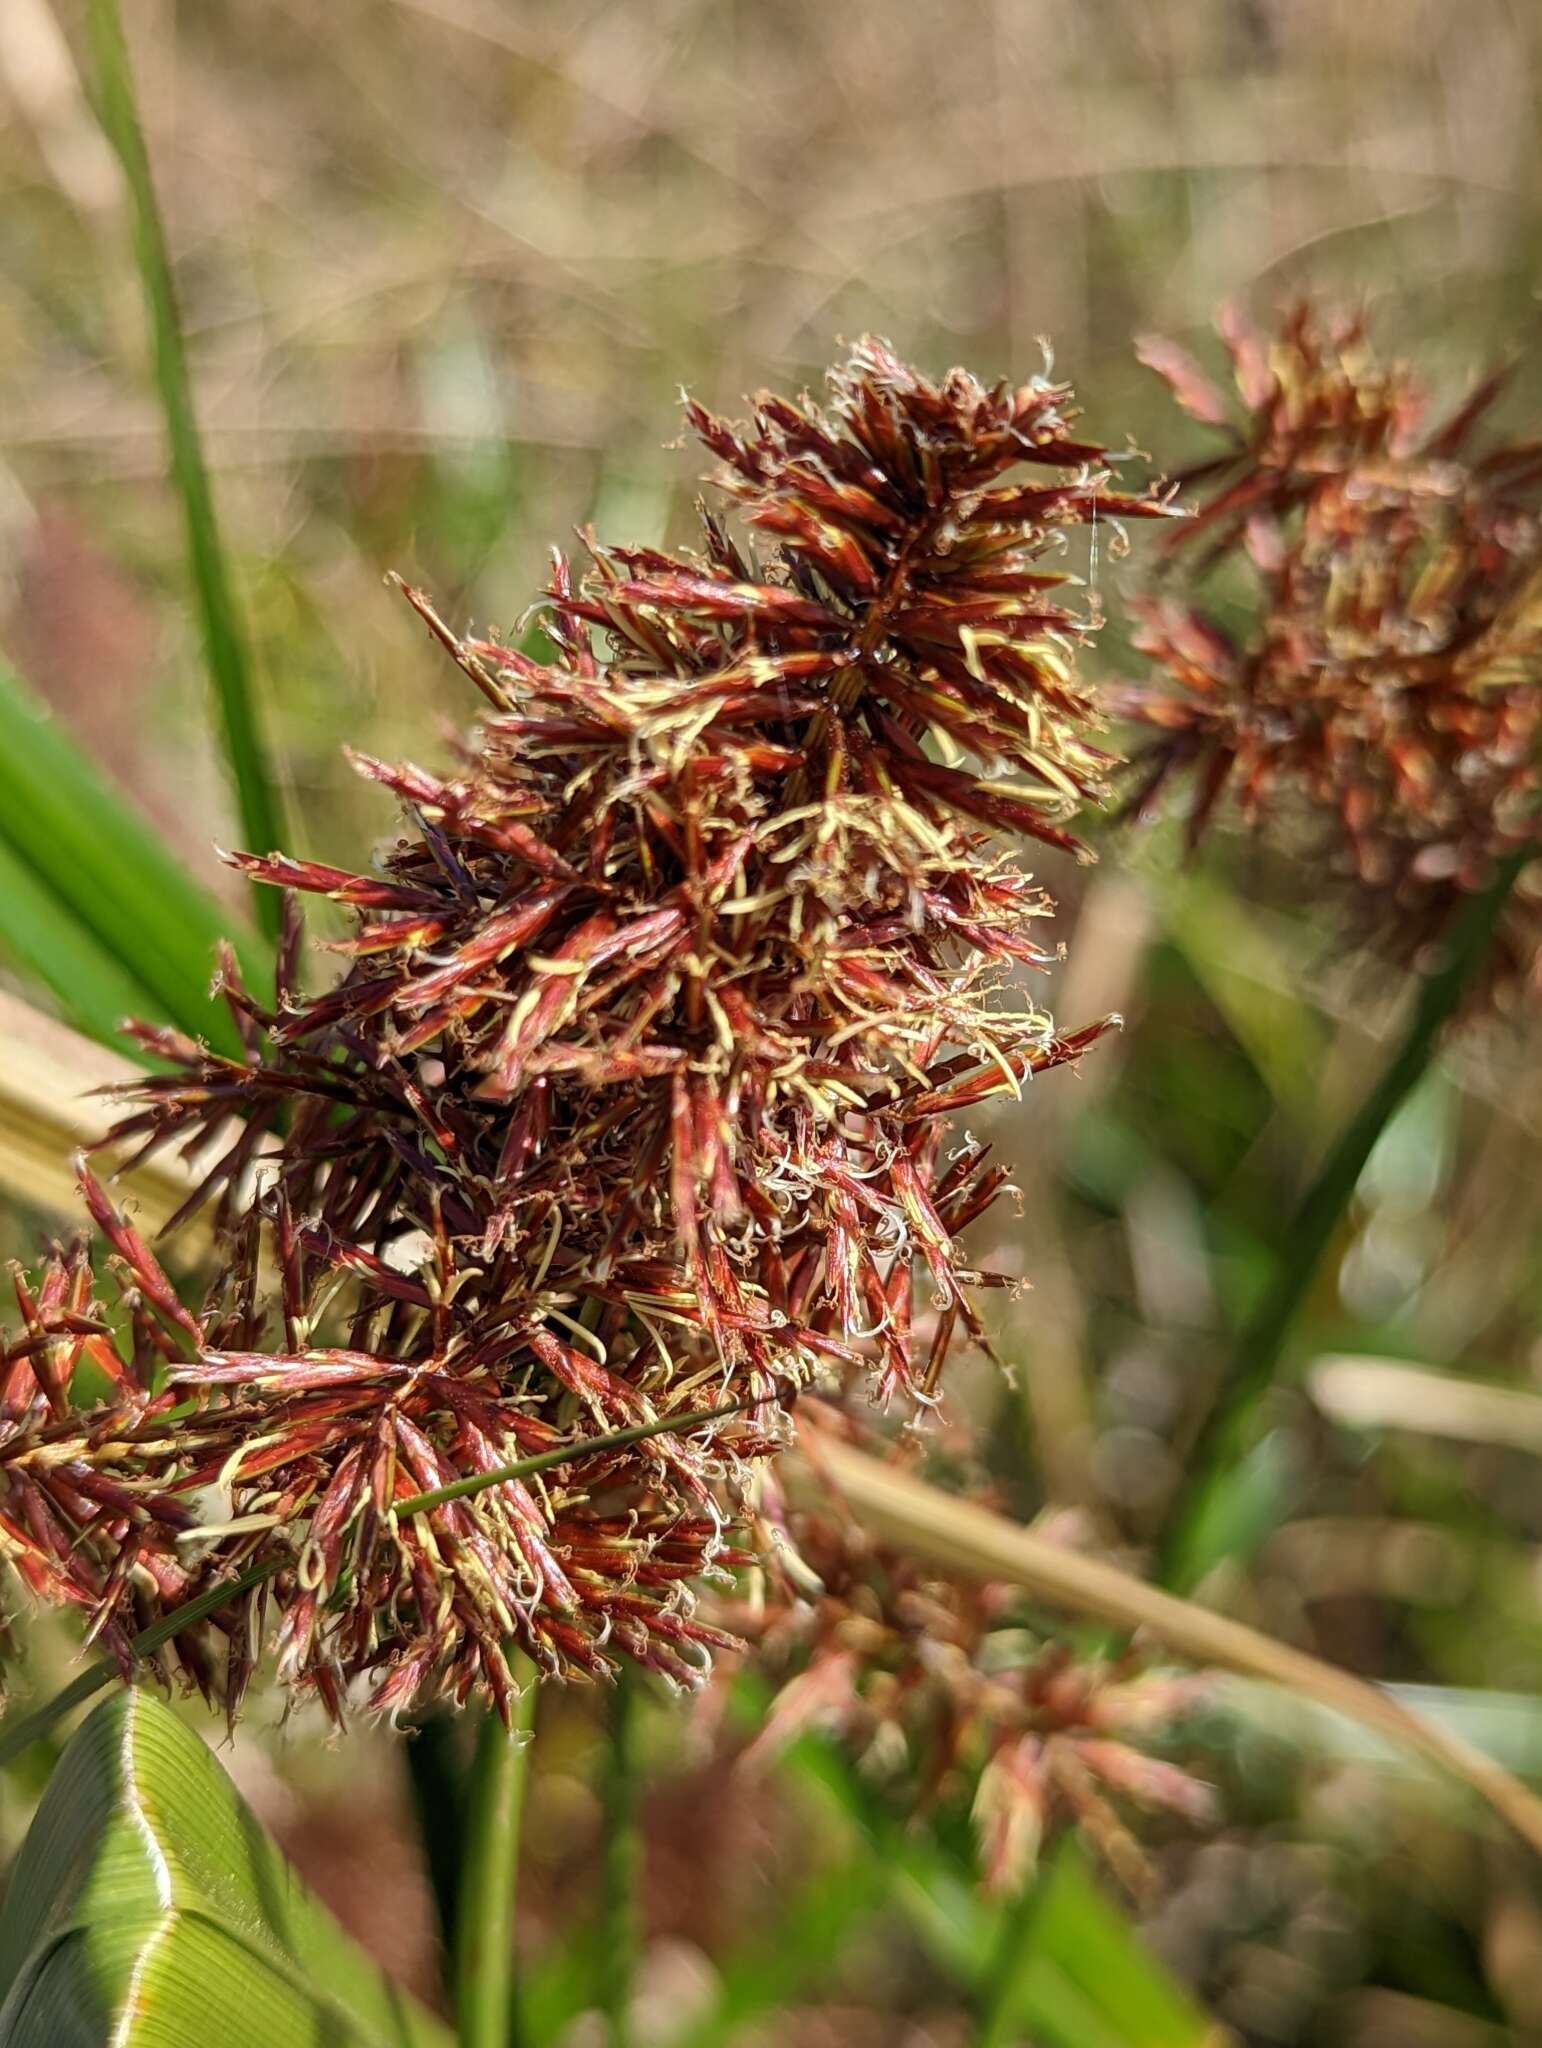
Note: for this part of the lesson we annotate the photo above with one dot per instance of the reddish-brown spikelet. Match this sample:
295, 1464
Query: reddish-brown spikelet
631, 1097
1382, 705
941, 1685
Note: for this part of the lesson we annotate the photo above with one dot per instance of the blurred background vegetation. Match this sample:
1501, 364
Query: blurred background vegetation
444, 266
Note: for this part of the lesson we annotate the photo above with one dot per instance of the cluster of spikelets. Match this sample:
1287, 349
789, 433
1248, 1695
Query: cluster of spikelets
934, 1685
1380, 708
631, 1102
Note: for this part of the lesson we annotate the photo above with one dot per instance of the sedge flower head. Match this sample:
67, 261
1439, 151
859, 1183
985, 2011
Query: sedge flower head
938, 1684
631, 1096
1378, 709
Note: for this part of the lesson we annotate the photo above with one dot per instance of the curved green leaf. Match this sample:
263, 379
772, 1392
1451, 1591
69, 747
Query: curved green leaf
148, 1909
43, 937
94, 853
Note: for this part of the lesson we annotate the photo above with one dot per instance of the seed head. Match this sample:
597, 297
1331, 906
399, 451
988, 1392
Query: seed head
630, 1098
936, 1683
1380, 708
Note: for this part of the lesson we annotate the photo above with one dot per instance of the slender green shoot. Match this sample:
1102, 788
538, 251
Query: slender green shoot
563, 1454
484, 1914
1224, 1436
621, 1933
224, 642
16, 1736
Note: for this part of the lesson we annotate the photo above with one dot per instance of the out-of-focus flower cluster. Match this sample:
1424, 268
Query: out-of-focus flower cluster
631, 1098
1380, 705
938, 1683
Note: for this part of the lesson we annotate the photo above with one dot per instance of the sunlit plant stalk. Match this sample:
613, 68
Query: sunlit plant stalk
485, 1990
622, 1861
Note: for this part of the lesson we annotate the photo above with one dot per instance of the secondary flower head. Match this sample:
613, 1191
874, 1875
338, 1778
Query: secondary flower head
630, 1099
940, 1685
1380, 705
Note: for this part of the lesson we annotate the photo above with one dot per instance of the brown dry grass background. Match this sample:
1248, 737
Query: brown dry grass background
445, 265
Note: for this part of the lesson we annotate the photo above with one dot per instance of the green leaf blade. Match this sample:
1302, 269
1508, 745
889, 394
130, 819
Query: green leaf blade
42, 936
148, 1906
1089, 1957
89, 849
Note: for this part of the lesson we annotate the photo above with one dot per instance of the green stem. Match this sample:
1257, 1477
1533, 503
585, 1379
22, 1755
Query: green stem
17, 1735
620, 1938
1225, 1432
434, 1785
999, 1996
543, 1461
224, 643
484, 1915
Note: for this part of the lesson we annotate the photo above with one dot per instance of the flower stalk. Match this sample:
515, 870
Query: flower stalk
622, 1865
485, 1992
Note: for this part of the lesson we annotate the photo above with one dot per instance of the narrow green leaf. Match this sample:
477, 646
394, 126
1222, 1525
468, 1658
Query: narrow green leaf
1223, 1437
224, 641
1016, 1954
16, 1736
1237, 1514
1083, 1939
43, 937
1063, 2014
148, 1907
96, 855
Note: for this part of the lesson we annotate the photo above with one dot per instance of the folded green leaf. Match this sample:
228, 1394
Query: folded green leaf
149, 1910
90, 850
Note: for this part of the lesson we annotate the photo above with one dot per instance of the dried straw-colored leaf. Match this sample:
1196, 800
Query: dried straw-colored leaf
964, 1538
